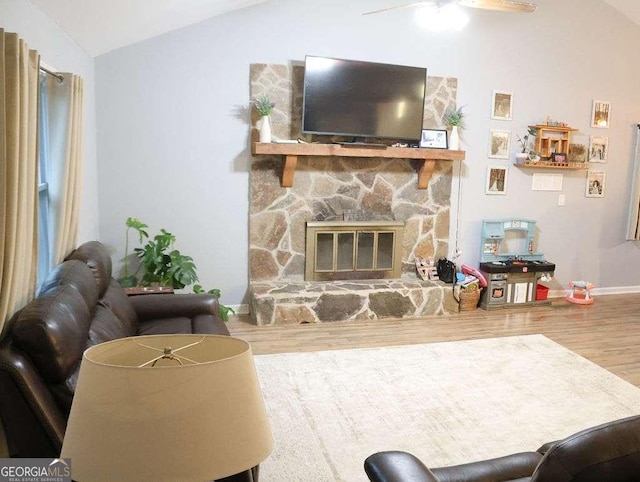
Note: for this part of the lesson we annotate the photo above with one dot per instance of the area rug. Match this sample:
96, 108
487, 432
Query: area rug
446, 403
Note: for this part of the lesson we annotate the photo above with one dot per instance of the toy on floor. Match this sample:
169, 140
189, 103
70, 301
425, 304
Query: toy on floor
580, 292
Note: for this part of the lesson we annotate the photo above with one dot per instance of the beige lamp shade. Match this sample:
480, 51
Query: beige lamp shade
195, 413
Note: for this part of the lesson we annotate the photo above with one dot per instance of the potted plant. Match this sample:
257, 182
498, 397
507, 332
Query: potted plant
162, 264
453, 118
264, 105
526, 153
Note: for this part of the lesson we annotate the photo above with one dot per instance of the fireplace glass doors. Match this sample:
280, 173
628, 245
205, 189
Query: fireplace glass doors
353, 250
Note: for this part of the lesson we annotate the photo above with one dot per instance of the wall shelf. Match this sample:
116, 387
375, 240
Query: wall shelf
575, 166
291, 152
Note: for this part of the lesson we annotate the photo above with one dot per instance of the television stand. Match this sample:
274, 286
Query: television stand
362, 144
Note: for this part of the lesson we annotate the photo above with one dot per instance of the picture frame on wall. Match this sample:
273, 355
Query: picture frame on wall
601, 114
598, 148
595, 183
499, 144
496, 180
434, 139
502, 105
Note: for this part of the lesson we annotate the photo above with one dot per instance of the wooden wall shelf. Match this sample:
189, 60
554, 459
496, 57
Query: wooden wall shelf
291, 152
576, 166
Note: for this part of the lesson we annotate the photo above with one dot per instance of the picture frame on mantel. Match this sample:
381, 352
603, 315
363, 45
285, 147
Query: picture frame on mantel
434, 139
502, 105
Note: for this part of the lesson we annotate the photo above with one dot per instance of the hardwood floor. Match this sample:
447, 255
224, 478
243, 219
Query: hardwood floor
607, 332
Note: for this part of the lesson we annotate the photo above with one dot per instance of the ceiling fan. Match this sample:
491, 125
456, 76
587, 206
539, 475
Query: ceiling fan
501, 5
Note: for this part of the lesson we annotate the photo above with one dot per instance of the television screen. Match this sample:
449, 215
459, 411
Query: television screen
363, 99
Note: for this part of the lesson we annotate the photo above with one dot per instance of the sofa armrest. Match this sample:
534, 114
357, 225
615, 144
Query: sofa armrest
150, 307
34, 424
395, 466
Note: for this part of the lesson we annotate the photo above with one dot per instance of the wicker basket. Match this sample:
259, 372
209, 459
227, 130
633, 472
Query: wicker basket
469, 299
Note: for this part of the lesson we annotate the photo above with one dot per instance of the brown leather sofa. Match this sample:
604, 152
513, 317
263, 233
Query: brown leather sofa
78, 306
606, 453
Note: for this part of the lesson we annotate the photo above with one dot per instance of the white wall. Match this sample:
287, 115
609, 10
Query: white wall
59, 51
173, 122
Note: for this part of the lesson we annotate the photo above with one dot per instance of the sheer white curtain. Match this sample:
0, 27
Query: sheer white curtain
63, 148
18, 173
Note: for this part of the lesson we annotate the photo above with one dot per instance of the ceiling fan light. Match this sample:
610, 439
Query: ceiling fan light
440, 18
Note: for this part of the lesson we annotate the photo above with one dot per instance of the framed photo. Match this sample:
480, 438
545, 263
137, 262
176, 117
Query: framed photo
595, 184
434, 138
601, 114
559, 157
577, 153
499, 144
598, 148
502, 105
496, 180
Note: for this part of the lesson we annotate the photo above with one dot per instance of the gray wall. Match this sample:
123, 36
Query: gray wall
60, 52
173, 133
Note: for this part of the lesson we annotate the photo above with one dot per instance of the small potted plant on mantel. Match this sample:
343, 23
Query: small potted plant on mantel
264, 105
453, 118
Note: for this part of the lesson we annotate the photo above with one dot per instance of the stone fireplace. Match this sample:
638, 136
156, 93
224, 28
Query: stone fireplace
326, 188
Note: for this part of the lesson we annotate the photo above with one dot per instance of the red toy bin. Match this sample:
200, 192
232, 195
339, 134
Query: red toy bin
541, 292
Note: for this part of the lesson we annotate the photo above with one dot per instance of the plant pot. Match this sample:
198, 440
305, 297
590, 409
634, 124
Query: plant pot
265, 130
521, 157
454, 139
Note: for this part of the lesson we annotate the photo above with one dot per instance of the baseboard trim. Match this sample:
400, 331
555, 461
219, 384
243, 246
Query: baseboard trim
613, 290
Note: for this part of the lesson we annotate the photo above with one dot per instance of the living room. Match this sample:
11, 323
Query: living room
168, 124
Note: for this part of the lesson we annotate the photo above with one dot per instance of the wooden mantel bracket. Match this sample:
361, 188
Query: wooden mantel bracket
291, 152
424, 173
289, 169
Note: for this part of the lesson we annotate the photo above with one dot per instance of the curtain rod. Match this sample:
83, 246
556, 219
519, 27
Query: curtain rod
53, 74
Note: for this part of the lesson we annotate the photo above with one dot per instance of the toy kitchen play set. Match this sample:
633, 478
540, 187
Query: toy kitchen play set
511, 267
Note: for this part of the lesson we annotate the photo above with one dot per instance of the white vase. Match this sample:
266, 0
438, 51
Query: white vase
454, 139
265, 129
521, 157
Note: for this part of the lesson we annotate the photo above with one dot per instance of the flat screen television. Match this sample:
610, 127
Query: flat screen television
362, 99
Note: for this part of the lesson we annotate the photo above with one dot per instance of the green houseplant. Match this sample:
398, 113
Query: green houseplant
264, 105
526, 153
162, 264
453, 118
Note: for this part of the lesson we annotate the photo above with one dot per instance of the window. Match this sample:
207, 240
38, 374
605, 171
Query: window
44, 214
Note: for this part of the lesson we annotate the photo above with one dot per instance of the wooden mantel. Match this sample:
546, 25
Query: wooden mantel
291, 152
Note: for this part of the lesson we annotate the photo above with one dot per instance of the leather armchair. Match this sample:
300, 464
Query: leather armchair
606, 453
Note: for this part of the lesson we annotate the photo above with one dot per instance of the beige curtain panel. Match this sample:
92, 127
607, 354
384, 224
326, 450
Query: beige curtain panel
65, 120
19, 71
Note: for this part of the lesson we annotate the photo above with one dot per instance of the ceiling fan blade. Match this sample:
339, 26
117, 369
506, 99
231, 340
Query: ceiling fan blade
407, 5
502, 5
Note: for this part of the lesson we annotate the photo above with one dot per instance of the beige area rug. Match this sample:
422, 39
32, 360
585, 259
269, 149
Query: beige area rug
446, 403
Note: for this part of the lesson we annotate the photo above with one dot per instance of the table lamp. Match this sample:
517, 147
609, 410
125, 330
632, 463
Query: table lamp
167, 408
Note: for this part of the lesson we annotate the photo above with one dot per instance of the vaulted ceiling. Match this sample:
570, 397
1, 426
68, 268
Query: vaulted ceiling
100, 26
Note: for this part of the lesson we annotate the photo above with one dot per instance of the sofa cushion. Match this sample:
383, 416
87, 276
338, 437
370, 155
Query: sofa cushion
106, 326
77, 274
119, 303
165, 326
95, 255
203, 324
53, 330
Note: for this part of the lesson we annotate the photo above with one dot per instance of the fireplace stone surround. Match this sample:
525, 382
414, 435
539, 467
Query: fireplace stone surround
326, 187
